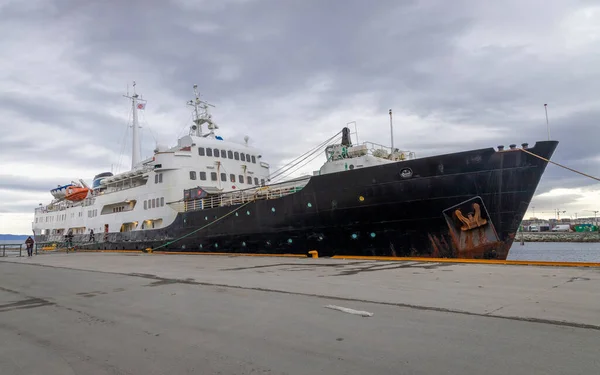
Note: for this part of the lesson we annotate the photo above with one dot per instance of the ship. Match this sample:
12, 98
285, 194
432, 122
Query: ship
207, 194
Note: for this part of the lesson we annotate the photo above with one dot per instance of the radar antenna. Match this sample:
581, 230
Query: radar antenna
201, 116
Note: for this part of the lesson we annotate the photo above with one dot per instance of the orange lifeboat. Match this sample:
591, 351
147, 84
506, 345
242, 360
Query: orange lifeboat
76, 193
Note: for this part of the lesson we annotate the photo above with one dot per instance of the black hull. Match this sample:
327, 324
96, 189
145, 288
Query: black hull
376, 211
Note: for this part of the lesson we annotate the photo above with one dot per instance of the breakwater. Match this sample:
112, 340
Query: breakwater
558, 236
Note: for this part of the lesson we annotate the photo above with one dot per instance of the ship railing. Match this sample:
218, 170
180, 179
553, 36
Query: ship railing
60, 206
235, 198
379, 150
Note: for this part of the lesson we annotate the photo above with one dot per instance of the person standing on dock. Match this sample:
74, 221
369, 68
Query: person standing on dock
91, 235
29, 243
69, 239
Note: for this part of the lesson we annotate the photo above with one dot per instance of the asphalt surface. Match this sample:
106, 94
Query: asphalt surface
57, 318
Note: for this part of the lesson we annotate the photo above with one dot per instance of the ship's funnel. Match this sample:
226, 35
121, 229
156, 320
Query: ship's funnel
346, 137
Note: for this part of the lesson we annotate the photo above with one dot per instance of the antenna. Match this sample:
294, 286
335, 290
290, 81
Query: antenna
547, 125
201, 115
391, 130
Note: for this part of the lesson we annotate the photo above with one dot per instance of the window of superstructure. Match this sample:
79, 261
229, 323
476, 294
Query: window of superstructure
241, 179
153, 203
201, 151
253, 159
236, 155
249, 179
209, 152
224, 154
192, 175
162, 201
232, 177
156, 178
230, 154
216, 152
262, 181
223, 176
160, 178
213, 176
145, 205
248, 158
243, 156
203, 176
256, 181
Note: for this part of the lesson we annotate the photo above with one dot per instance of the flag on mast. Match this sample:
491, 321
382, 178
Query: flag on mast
141, 106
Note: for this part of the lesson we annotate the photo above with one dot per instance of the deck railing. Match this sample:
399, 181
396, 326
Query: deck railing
239, 197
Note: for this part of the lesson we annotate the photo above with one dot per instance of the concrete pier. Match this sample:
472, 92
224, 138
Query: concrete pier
157, 314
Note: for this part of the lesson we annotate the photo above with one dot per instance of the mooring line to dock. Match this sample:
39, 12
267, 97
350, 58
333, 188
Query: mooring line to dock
560, 165
204, 226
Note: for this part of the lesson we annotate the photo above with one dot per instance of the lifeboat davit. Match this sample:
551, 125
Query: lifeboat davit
76, 193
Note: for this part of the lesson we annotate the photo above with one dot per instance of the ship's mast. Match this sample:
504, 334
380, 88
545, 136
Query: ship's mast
135, 142
201, 116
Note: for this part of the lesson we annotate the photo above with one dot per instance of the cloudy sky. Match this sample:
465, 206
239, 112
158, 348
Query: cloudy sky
290, 74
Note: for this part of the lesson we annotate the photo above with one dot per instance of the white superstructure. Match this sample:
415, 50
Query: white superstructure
138, 199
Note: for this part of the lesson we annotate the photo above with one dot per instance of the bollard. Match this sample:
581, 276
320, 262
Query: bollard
314, 253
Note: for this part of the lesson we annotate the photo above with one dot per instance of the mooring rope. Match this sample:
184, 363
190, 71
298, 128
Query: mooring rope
560, 165
204, 226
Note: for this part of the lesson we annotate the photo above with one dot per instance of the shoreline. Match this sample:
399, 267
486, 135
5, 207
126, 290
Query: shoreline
558, 237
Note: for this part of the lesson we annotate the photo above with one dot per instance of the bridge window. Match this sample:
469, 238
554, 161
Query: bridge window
230, 154
249, 179
203, 176
236, 155
162, 201
243, 157
248, 158
192, 175
213, 176
232, 177
216, 153
201, 151
254, 160
223, 176
262, 182
224, 154
241, 179
255, 181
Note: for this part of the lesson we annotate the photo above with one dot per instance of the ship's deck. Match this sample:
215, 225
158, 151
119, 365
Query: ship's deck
154, 313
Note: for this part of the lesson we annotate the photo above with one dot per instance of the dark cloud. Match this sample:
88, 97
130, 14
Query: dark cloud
458, 75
